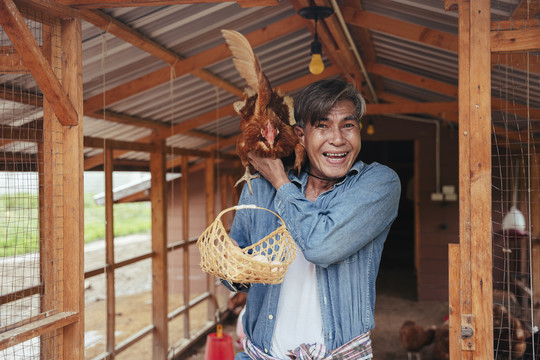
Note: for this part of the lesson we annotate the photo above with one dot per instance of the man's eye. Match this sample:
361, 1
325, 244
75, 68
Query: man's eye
321, 126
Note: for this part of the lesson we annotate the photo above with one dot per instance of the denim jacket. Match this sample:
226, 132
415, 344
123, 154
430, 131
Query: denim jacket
342, 233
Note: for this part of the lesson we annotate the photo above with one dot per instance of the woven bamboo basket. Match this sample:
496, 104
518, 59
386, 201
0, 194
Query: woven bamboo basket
263, 262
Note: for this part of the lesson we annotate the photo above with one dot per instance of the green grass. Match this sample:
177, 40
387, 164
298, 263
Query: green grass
19, 222
134, 218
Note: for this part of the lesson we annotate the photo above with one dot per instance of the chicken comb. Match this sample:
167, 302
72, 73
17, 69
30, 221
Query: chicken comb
245, 60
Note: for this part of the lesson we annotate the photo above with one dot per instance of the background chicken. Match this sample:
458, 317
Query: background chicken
414, 337
509, 336
441, 347
266, 115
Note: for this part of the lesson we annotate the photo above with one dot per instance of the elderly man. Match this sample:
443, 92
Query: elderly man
339, 211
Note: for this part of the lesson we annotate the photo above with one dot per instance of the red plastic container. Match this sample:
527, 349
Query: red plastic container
219, 346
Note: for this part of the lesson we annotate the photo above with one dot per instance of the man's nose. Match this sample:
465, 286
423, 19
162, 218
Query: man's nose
337, 138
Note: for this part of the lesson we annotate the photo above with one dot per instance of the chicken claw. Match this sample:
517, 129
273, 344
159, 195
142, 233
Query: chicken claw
247, 177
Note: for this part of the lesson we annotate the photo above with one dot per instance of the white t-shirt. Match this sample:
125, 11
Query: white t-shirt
298, 319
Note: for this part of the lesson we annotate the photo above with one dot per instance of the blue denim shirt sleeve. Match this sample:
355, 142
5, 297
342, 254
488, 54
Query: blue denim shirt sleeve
340, 222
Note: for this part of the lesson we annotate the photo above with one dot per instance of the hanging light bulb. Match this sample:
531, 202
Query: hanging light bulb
370, 130
316, 65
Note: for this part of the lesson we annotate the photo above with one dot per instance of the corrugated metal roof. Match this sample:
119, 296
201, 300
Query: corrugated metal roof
190, 29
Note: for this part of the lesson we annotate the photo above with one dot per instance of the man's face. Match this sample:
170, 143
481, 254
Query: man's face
333, 143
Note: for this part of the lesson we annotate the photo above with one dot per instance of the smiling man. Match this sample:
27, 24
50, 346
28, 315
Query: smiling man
339, 211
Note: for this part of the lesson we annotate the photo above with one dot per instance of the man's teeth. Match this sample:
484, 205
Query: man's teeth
335, 155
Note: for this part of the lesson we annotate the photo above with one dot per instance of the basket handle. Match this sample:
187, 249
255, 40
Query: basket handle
247, 206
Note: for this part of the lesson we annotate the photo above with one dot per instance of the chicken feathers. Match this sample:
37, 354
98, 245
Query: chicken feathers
267, 116
414, 337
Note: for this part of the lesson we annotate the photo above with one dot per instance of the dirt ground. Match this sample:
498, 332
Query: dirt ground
395, 304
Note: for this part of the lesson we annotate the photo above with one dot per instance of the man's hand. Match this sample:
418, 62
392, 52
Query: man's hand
271, 169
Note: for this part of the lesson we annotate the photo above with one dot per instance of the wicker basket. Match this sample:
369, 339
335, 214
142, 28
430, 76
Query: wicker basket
264, 262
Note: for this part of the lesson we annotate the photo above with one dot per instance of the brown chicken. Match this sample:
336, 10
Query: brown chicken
414, 337
509, 336
267, 116
441, 347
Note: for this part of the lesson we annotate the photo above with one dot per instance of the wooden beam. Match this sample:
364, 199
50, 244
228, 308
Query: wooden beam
32, 56
254, 3
49, 155
94, 142
49, 7
210, 195
21, 133
413, 79
95, 4
11, 63
158, 196
127, 119
410, 107
402, 29
110, 336
22, 97
21, 334
515, 40
363, 37
502, 40
73, 179
526, 9
475, 180
188, 125
184, 191
137, 39
199, 61
454, 305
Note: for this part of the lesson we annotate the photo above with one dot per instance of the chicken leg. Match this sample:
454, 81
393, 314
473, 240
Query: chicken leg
247, 178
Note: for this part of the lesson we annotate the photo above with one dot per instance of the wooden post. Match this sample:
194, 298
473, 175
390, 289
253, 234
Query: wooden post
475, 180
109, 251
454, 319
185, 235
73, 190
210, 206
535, 228
49, 200
159, 249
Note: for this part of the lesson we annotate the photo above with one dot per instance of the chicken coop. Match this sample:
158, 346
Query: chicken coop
107, 86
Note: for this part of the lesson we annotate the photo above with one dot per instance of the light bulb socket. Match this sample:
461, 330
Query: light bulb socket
316, 47
315, 12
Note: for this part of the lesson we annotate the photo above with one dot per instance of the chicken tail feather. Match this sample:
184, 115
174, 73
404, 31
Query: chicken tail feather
245, 60
300, 157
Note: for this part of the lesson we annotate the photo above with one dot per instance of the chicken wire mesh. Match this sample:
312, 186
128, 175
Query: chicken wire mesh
516, 205
31, 193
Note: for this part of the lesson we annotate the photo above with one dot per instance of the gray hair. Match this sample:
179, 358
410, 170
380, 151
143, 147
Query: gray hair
317, 99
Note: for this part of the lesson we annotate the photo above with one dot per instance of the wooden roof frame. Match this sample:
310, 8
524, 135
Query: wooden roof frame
331, 35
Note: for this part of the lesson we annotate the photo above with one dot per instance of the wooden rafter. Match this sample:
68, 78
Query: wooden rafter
503, 40
410, 107
51, 8
191, 124
190, 64
137, 39
366, 44
22, 97
413, 79
526, 10
96, 4
32, 56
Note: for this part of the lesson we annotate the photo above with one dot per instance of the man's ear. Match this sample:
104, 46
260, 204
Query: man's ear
300, 133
